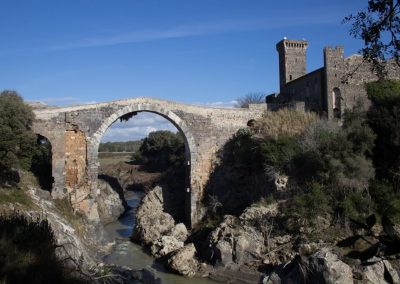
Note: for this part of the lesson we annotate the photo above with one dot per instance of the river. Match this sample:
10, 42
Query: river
127, 253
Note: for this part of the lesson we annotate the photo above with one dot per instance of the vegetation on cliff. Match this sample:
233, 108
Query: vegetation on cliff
16, 138
319, 167
27, 253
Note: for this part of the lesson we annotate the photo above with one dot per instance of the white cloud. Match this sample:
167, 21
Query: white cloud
222, 104
136, 128
188, 30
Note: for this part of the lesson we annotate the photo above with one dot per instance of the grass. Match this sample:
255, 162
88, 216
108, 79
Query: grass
109, 158
285, 122
15, 195
73, 218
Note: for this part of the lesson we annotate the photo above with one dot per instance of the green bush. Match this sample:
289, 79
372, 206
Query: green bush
314, 202
279, 152
163, 149
16, 138
387, 200
384, 118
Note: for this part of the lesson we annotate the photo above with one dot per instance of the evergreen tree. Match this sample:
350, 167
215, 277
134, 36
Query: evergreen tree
16, 138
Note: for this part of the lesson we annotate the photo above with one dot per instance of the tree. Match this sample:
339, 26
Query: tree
250, 98
379, 26
16, 138
163, 149
384, 117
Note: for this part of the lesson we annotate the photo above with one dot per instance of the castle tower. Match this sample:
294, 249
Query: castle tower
334, 66
292, 60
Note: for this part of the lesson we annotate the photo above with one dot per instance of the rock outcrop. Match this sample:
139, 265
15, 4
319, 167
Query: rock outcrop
110, 205
245, 240
151, 221
184, 262
322, 267
379, 271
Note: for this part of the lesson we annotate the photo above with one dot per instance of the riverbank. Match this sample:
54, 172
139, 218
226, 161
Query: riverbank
127, 253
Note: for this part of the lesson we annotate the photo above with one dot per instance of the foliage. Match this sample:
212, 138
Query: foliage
278, 153
284, 122
16, 138
384, 118
16, 195
250, 98
27, 252
128, 146
336, 157
310, 204
378, 26
163, 149
386, 199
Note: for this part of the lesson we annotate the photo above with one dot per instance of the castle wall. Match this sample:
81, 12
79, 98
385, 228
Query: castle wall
307, 89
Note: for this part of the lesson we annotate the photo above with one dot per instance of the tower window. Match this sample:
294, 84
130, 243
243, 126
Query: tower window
290, 77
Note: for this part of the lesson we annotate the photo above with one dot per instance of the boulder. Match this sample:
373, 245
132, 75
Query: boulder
165, 245
110, 206
180, 232
233, 243
326, 267
151, 221
375, 272
184, 262
254, 214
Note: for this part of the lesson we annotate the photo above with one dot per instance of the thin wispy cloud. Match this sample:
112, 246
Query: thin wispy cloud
220, 104
190, 30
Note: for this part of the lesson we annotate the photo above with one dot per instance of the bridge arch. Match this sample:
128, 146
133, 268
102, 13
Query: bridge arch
179, 123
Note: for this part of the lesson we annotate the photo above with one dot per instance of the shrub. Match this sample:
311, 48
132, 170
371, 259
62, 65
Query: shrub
314, 202
163, 149
387, 200
384, 118
285, 122
16, 137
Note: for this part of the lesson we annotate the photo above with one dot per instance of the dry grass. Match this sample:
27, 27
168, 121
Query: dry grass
109, 158
284, 122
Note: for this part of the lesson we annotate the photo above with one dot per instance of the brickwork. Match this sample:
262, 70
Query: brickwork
70, 129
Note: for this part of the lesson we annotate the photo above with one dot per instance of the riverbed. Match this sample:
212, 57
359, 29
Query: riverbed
127, 253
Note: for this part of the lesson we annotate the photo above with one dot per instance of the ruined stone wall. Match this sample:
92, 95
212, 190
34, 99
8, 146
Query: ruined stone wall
358, 73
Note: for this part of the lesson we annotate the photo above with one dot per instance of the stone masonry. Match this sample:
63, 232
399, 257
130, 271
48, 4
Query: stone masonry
75, 134
330, 90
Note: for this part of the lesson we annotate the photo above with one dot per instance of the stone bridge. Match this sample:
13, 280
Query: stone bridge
75, 134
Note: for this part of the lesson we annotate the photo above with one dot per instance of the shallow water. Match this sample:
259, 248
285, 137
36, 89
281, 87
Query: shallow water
130, 254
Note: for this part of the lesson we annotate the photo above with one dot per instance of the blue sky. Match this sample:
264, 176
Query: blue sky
66, 52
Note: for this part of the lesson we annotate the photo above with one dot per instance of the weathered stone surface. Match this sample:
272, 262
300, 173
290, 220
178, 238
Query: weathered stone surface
165, 245
180, 232
254, 214
232, 243
184, 261
375, 272
109, 203
205, 129
151, 221
327, 268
